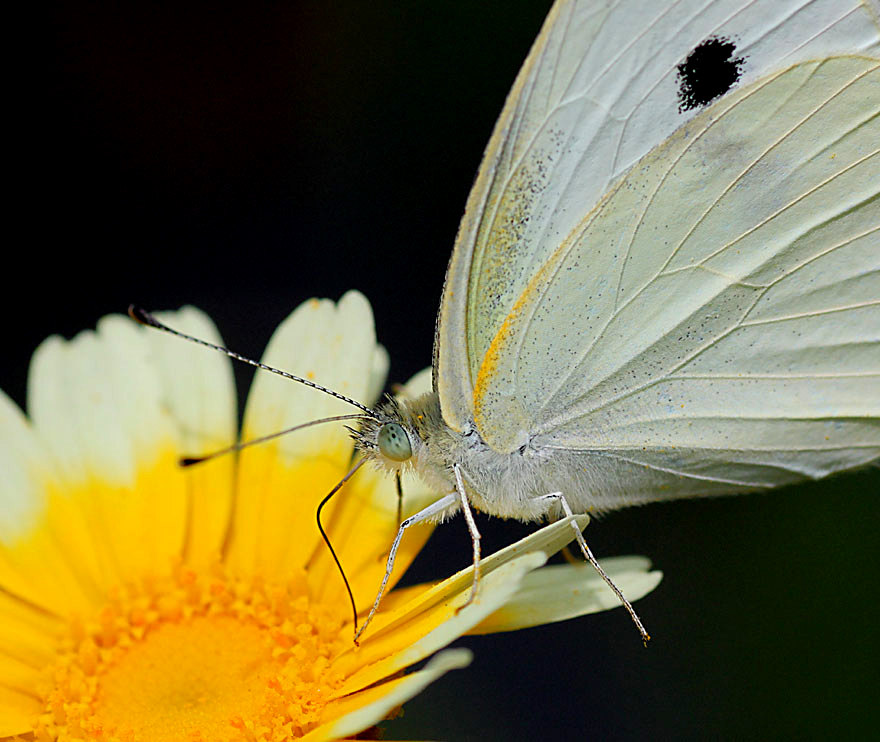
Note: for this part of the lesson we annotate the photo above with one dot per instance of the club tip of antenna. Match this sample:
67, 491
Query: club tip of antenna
139, 314
185, 461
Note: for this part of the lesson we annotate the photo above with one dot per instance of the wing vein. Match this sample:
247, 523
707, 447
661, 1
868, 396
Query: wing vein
688, 474
816, 313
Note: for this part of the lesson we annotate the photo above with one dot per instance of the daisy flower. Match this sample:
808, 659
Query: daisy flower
144, 601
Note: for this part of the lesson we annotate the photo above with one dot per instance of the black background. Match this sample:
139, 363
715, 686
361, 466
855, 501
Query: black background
244, 160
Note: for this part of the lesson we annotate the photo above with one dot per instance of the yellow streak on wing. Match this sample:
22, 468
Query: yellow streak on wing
456, 368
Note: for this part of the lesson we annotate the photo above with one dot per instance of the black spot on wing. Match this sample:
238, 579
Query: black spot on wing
707, 73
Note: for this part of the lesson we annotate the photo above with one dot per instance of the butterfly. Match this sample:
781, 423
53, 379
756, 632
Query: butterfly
666, 282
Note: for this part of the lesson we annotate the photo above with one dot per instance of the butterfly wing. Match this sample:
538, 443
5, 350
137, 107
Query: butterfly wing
734, 335
659, 282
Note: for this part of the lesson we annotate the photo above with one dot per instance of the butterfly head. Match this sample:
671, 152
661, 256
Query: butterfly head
402, 434
387, 436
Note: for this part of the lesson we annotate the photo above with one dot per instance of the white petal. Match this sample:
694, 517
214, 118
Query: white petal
198, 392
197, 385
331, 344
24, 464
381, 700
562, 591
32, 567
420, 632
95, 402
378, 374
436, 615
113, 408
281, 481
107, 402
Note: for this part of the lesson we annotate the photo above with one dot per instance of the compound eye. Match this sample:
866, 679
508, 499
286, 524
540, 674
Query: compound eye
394, 442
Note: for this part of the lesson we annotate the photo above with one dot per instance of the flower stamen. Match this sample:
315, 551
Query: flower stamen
196, 656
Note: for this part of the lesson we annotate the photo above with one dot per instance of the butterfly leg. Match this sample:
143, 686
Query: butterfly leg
475, 534
434, 510
558, 498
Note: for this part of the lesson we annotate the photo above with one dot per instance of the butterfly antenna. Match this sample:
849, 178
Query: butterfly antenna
138, 314
192, 460
326, 538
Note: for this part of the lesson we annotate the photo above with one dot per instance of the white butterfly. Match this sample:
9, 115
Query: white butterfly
667, 279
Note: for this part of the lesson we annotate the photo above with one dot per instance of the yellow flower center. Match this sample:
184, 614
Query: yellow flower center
196, 657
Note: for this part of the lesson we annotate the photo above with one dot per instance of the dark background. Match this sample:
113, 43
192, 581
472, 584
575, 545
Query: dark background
244, 160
